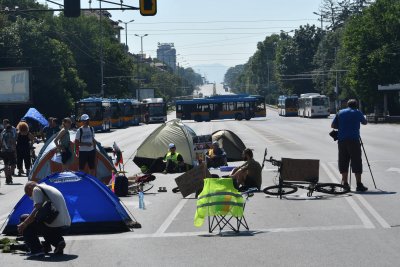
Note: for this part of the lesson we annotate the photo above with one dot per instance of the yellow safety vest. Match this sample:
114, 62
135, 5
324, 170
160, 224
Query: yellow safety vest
219, 197
173, 157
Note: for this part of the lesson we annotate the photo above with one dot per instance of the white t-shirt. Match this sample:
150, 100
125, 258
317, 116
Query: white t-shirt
87, 137
63, 218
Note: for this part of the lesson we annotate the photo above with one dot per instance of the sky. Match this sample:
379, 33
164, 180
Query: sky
207, 32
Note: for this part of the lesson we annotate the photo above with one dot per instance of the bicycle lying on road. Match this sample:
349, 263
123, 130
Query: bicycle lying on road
286, 185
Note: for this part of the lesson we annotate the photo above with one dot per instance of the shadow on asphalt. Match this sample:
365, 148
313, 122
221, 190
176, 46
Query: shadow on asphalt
234, 234
54, 258
303, 198
378, 192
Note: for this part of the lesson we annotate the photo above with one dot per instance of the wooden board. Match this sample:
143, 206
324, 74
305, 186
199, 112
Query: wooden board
192, 181
301, 170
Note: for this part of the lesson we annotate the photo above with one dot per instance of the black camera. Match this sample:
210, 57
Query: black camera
334, 134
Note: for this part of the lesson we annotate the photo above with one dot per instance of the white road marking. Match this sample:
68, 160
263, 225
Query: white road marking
170, 218
360, 213
371, 210
199, 233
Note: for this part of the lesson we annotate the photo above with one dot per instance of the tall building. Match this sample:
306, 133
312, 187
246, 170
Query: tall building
166, 53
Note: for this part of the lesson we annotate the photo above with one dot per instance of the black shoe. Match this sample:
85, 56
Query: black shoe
59, 250
361, 188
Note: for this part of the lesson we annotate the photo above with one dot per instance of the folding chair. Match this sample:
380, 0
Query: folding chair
222, 203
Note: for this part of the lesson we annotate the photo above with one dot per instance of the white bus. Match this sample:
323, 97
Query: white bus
313, 105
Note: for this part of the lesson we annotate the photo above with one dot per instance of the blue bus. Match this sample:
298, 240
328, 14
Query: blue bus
98, 110
236, 107
288, 105
130, 112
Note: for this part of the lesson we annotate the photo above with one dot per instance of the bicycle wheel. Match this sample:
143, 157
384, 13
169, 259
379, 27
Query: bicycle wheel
277, 190
331, 188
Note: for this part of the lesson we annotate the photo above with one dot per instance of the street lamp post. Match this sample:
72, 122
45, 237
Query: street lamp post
141, 56
141, 43
126, 32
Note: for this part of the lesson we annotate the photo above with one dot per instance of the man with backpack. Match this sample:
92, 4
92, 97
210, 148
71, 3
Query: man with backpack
85, 145
8, 151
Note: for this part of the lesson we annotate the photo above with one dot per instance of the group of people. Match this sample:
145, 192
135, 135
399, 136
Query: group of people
31, 228
16, 144
15, 148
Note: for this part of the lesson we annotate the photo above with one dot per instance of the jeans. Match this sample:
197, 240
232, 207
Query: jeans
52, 235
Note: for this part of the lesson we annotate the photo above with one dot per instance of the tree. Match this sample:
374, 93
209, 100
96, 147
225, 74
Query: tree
371, 51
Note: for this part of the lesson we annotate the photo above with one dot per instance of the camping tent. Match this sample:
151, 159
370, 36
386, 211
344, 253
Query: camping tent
156, 144
231, 143
92, 206
33, 114
47, 164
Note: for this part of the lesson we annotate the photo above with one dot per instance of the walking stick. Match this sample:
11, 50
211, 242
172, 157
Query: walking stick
350, 173
369, 166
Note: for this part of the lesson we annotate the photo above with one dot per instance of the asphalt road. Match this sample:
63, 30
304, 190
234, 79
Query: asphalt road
350, 230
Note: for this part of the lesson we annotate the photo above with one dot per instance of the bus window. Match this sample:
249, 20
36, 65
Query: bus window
179, 108
240, 105
320, 102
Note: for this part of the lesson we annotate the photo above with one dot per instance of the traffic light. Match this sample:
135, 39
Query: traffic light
72, 8
147, 7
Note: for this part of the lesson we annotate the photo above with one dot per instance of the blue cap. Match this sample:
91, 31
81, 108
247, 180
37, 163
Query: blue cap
171, 145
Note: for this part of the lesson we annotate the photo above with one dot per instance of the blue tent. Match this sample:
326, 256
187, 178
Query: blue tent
93, 207
35, 115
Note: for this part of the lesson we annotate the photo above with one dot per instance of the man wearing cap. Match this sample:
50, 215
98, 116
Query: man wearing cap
173, 160
215, 156
85, 145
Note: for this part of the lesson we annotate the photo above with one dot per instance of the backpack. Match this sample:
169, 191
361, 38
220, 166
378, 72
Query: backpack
121, 186
81, 132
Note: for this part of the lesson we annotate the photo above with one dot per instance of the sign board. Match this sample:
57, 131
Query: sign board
14, 86
192, 181
390, 87
300, 170
144, 93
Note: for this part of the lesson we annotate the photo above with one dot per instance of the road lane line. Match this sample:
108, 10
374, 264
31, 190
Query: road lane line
370, 209
128, 236
357, 209
171, 217
373, 212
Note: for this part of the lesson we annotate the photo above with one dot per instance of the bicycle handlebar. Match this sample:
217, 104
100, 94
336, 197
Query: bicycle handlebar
274, 162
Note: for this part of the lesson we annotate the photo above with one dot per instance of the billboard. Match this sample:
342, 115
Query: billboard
14, 86
144, 93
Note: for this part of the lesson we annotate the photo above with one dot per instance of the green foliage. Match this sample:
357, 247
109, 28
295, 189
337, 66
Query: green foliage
64, 57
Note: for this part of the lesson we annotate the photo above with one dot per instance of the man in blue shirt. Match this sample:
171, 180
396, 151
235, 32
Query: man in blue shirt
348, 123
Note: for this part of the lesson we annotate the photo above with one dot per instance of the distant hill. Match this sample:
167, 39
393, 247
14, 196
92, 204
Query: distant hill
213, 72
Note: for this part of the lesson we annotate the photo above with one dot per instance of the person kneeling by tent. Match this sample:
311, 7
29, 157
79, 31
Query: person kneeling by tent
249, 174
38, 222
216, 156
173, 160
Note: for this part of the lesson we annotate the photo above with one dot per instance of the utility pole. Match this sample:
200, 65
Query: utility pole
101, 52
322, 48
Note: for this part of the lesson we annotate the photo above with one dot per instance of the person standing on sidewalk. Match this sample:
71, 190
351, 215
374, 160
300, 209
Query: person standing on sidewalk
86, 146
348, 122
